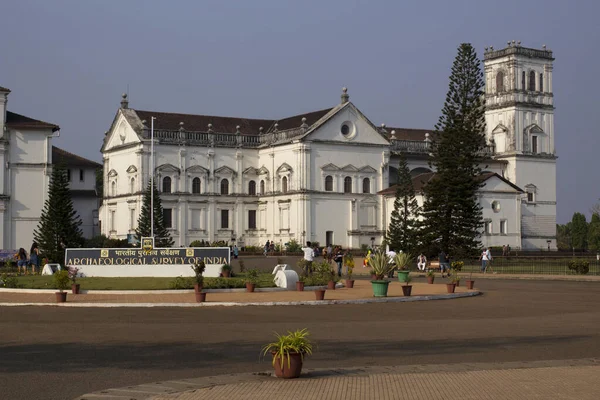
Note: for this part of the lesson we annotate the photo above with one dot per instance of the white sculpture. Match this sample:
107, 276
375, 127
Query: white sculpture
50, 269
279, 267
285, 278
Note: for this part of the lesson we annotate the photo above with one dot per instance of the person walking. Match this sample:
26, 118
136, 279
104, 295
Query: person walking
34, 257
421, 262
267, 245
236, 252
339, 259
444, 265
485, 258
308, 258
391, 254
22, 261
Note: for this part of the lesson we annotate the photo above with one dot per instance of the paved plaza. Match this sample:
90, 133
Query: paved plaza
63, 353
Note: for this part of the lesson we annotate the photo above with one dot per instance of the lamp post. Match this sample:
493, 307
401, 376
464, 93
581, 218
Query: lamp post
152, 176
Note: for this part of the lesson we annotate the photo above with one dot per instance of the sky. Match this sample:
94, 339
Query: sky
69, 61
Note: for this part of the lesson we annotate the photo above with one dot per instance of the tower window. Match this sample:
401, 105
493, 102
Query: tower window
224, 186
252, 188
523, 87
251, 219
166, 185
532, 81
224, 219
284, 184
534, 144
329, 183
196, 186
167, 217
262, 187
488, 227
541, 82
347, 185
530, 197
503, 224
366, 185
500, 82
132, 185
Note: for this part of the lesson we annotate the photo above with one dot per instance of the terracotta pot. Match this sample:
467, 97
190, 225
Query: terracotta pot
430, 279
250, 287
61, 297
331, 285
470, 284
75, 288
300, 286
200, 297
349, 283
406, 290
320, 294
197, 288
225, 274
285, 370
450, 287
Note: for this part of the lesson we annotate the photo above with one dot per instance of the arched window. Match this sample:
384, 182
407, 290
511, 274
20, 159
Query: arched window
132, 185
284, 183
532, 81
262, 187
541, 82
347, 185
500, 82
113, 188
523, 87
166, 184
252, 188
329, 183
196, 186
224, 186
366, 185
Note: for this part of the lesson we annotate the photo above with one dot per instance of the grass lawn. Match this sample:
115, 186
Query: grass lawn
143, 283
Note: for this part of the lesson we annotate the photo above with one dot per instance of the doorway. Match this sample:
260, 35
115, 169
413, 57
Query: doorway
328, 238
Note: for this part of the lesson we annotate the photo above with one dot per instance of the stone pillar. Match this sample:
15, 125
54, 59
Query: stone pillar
211, 172
183, 222
239, 163
182, 181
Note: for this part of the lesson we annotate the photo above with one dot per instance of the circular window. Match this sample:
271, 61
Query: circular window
495, 206
345, 130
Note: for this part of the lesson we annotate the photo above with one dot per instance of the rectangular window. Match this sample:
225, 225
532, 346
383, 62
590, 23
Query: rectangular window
251, 219
112, 220
132, 218
488, 227
168, 217
530, 197
503, 227
69, 175
534, 144
81, 175
224, 219
196, 219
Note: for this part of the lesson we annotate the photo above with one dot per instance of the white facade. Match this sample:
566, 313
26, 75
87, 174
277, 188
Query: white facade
520, 121
26, 156
316, 176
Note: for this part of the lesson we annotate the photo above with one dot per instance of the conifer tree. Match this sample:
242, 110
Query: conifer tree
452, 214
162, 237
403, 229
59, 224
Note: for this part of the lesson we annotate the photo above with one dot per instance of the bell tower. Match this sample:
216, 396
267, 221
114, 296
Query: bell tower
520, 123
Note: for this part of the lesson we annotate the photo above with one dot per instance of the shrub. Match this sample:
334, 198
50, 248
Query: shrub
579, 266
9, 282
252, 275
457, 265
293, 246
61, 280
181, 283
364, 247
253, 249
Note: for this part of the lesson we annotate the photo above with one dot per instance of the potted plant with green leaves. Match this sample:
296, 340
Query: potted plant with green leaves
301, 281
251, 280
455, 277
349, 262
199, 268
380, 267
402, 260
226, 270
321, 278
288, 353
430, 276
451, 285
61, 282
406, 288
72, 271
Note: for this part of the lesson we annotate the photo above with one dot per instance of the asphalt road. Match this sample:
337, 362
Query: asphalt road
60, 353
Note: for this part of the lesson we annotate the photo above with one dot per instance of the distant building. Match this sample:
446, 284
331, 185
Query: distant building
26, 157
328, 175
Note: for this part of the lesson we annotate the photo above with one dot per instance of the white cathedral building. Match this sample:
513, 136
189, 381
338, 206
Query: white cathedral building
328, 175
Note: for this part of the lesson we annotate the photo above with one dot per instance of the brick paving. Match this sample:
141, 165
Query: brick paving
362, 290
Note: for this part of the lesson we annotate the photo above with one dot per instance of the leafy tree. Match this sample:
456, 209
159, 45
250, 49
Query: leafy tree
593, 233
563, 236
402, 231
162, 237
58, 228
579, 231
452, 215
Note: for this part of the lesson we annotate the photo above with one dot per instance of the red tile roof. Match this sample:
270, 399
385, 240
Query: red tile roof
69, 159
14, 120
409, 133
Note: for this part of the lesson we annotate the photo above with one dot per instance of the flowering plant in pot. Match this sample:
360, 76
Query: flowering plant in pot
406, 288
455, 278
226, 270
301, 281
61, 282
198, 268
430, 277
288, 353
402, 260
380, 267
252, 278
349, 262
451, 285
72, 271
